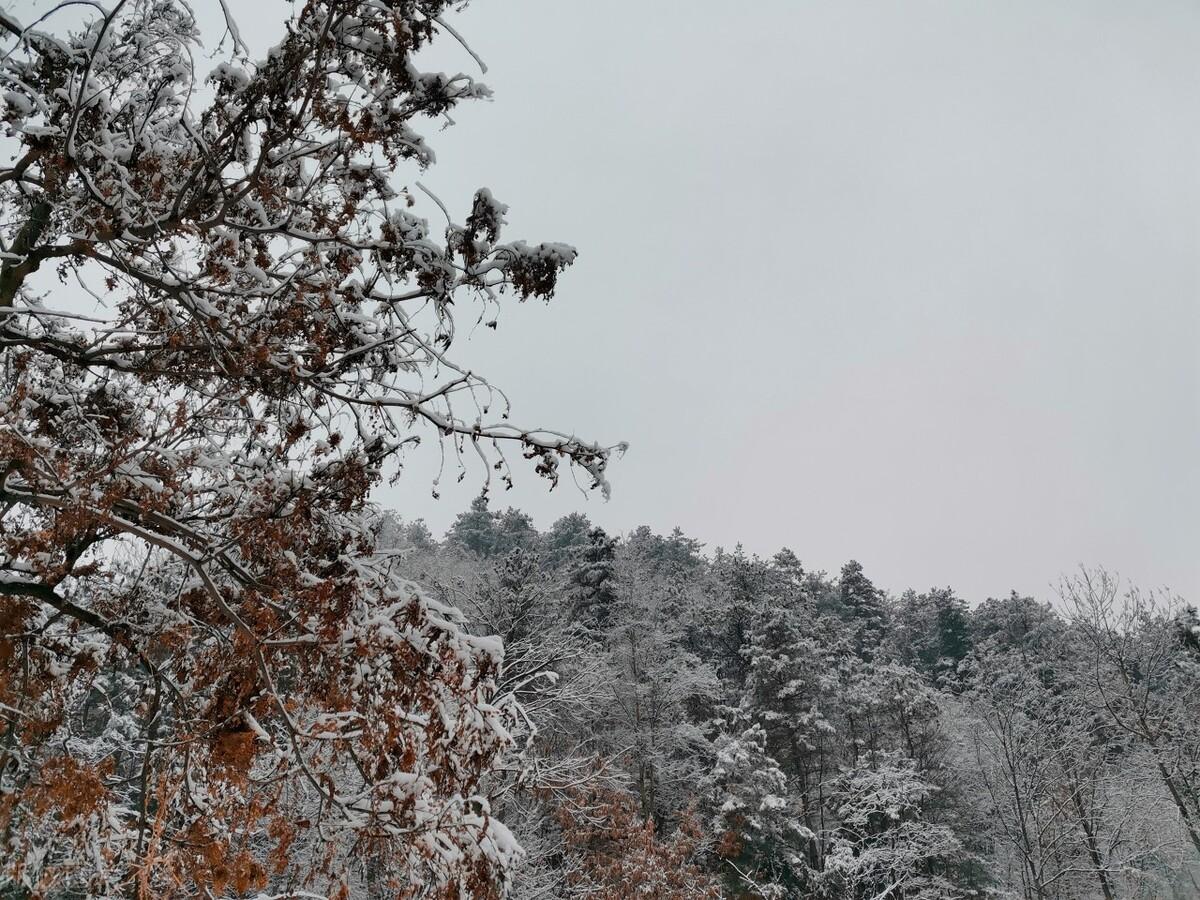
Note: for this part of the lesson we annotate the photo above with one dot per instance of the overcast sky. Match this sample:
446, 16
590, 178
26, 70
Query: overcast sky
914, 282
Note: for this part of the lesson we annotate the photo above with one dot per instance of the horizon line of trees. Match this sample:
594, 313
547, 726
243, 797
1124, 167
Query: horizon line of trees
724, 725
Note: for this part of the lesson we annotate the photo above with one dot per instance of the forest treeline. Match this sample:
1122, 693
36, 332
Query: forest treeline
722, 725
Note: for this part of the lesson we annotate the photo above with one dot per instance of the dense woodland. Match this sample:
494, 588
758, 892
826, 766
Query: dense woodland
716, 724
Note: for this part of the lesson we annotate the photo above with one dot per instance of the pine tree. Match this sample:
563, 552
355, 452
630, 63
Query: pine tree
933, 631
593, 583
756, 823
788, 692
1014, 622
566, 538
744, 592
476, 529
514, 531
862, 606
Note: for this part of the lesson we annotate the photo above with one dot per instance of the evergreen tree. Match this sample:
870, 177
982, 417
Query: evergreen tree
1014, 623
475, 530
787, 582
566, 538
788, 693
487, 534
756, 823
514, 531
861, 605
675, 553
745, 592
933, 632
593, 591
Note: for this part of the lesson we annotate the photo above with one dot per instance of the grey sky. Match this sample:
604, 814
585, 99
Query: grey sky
911, 282
915, 283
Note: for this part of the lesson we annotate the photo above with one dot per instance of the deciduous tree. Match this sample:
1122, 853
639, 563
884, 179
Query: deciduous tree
185, 536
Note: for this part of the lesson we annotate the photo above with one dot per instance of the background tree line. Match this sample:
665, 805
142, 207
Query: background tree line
724, 725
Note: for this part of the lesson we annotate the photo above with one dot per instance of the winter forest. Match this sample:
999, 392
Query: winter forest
230, 313
718, 725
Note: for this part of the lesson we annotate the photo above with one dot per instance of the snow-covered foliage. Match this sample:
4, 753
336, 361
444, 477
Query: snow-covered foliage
733, 717
213, 680
758, 821
885, 844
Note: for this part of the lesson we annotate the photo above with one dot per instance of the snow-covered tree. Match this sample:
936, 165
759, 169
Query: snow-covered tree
884, 846
791, 693
489, 533
659, 693
271, 329
1014, 623
1061, 778
861, 604
932, 631
566, 538
557, 676
742, 592
761, 842
1142, 678
593, 590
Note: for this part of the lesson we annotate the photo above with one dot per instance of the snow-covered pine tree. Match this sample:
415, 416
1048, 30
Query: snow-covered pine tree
593, 589
932, 632
790, 693
566, 538
862, 606
475, 529
762, 845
